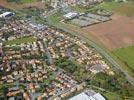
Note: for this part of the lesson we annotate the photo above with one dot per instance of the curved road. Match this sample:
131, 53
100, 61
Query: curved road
101, 51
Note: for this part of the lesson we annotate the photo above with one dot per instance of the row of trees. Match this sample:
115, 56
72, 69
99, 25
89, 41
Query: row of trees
77, 71
116, 84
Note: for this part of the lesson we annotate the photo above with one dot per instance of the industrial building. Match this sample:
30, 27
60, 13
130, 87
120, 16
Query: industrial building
70, 15
88, 95
6, 15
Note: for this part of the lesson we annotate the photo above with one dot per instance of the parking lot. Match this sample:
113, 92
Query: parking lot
89, 19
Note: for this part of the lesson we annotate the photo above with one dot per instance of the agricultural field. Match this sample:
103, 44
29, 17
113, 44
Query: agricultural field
126, 55
113, 34
119, 8
28, 1
116, 33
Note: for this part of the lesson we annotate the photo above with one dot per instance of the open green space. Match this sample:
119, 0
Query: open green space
126, 55
22, 1
80, 9
116, 88
20, 40
34, 14
28, 1
112, 96
54, 18
70, 66
120, 8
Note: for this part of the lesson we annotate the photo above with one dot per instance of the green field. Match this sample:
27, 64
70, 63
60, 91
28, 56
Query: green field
55, 18
120, 8
22, 1
28, 1
80, 9
126, 55
20, 40
112, 96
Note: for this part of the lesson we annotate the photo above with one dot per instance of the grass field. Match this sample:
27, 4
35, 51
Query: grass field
20, 40
120, 8
55, 18
126, 55
28, 1
112, 96
80, 9
22, 1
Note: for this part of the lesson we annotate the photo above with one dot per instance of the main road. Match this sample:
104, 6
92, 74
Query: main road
115, 65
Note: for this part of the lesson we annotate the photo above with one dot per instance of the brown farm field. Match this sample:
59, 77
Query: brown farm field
111, 36
117, 33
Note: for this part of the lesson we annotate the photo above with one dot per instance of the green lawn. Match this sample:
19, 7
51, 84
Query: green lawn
126, 55
55, 18
20, 40
80, 9
120, 8
112, 96
28, 1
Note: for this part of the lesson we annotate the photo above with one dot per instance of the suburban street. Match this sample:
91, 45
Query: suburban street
116, 66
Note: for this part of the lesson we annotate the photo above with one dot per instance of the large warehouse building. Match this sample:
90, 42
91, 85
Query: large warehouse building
88, 95
6, 15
